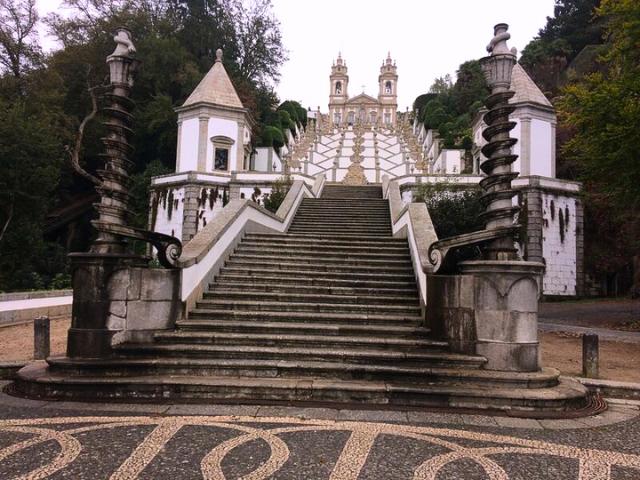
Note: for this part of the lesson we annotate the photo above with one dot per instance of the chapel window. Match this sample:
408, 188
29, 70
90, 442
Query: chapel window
352, 118
338, 88
221, 148
388, 88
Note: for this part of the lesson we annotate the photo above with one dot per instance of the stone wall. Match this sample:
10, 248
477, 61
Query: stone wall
561, 228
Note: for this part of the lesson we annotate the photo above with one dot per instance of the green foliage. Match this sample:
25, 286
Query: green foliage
44, 98
297, 113
272, 137
573, 27
603, 113
279, 190
453, 210
449, 108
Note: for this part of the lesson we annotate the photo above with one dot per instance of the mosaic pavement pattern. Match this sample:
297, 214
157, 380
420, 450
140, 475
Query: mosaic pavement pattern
254, 448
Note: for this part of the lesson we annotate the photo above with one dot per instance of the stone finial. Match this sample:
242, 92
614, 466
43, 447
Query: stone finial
219, 55
124, 43
498, 44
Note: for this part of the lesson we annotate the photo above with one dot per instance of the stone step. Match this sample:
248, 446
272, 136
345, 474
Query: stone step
301, 306
34, 380
325, 247
341, 219
327, 238
337, 231
311, 317
226, 292
353, 277
294, 340
310, 329
391, 261
254, 264
280, 279
370, 356
347, 202
311, 253
274, 285
324, 223
382, 210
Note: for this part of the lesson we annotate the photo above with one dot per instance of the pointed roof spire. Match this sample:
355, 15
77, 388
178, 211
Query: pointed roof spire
525, 88
339, 61
215, 87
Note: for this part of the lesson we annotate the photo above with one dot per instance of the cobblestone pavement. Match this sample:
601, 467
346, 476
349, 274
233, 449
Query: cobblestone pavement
127, 441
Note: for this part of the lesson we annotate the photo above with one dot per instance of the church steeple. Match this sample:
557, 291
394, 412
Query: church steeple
339, 93
388, 89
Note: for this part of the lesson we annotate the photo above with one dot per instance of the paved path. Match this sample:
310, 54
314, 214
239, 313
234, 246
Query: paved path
602, 313
118, 441
603, 333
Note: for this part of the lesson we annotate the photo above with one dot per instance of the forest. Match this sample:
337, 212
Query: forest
50, 104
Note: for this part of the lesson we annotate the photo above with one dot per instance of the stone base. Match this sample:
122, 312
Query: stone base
490, 310
113, 294
506, 312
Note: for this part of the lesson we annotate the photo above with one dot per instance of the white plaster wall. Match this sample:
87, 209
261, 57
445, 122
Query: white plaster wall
559, 249
228, 128
207, 209
541, 148
188, 148
168, 212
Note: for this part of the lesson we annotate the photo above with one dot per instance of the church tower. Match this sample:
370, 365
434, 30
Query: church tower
338, 95
388, 92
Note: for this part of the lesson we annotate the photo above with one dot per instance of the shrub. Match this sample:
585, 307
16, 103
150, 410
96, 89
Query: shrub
279, 190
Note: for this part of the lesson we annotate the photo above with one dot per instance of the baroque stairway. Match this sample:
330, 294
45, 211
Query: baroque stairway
328, 312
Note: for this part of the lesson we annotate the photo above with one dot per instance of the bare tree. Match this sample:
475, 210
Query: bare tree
261, 52
19, 49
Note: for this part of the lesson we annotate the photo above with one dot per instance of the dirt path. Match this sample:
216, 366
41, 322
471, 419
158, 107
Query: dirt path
618, 361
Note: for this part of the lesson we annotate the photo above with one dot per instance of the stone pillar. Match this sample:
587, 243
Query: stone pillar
203, 140
506, 313
531, 221
525, 146
190, 212
178, 148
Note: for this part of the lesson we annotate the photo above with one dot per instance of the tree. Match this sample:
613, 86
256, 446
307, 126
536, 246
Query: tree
19, 50
604, 114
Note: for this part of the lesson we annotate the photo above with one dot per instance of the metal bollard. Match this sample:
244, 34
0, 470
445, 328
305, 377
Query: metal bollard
41, 338
590, 355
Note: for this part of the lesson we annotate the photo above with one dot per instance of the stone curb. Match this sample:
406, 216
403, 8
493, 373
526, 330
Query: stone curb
611, 388
8, 369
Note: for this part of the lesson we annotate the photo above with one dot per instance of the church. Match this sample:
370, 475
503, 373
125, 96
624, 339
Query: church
363, 109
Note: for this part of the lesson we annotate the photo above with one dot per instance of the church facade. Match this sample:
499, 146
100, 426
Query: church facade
363, 109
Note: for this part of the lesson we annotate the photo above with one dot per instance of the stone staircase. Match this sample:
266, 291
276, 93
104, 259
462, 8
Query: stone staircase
328, 312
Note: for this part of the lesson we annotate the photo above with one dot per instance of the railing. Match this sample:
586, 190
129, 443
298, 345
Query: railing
413, 222
206, 253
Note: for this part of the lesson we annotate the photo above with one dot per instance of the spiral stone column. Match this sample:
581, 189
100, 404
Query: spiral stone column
114, 191
114, 290
505, 288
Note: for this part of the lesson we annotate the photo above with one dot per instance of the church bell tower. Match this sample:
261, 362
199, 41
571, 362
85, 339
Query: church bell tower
338, 95
388, 90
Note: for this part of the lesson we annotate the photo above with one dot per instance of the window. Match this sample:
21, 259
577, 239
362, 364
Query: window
372, 117
221, 159
363, 115
352, 117
387, 118
338, 88
388, 88
221, 148
337, 118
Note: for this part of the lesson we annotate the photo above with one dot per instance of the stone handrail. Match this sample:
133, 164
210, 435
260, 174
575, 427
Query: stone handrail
205, 254
413, 222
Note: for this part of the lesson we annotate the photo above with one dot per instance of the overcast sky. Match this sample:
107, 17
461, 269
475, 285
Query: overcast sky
427, 38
